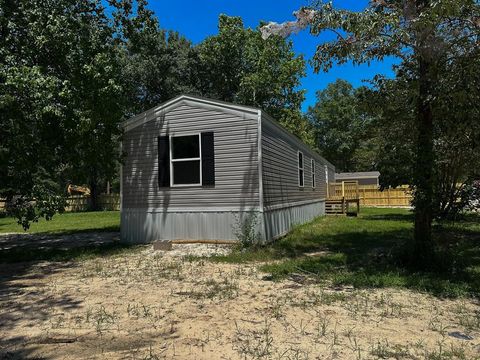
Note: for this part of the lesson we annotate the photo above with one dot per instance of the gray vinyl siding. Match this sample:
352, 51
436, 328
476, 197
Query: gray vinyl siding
280, 169
368, 181
236, 159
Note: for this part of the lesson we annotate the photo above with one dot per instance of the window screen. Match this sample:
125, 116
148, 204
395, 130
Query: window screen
300, 169
186, 161
186, 147
186, 172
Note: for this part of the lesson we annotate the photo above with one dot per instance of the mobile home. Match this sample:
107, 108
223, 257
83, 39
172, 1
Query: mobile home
200, 169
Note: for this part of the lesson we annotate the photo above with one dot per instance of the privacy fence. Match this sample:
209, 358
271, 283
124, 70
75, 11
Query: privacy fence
81, 202
370, 195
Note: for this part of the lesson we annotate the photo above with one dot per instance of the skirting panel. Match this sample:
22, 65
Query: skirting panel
280, 221
144, 226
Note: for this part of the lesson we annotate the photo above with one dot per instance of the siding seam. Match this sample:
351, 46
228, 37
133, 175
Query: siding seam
260, 168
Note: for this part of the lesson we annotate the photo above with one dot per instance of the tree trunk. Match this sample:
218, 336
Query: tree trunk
423, 249
94, 205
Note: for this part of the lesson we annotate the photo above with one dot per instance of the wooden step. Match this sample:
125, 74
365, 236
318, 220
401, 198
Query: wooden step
335, 207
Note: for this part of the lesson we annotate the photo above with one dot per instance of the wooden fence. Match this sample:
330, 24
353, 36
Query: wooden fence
80, 202
370, 195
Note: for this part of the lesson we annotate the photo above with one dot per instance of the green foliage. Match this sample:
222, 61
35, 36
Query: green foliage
156, 64
60, 102
456, 131
43, 202
238, 66
343, 130
245, 229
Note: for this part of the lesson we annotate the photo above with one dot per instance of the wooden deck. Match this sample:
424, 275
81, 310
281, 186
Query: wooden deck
343, 199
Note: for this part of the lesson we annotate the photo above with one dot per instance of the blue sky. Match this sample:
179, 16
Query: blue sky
199, 19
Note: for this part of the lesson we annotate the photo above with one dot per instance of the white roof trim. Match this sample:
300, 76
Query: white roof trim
145, 116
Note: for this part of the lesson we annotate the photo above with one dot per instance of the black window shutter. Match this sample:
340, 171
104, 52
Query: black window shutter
163, 161
208, 159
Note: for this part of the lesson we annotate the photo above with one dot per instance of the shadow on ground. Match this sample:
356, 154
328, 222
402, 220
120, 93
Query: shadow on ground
372, 251
27, 259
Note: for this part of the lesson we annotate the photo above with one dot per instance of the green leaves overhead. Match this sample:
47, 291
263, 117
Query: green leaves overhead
343, 131
60, 101
238, 66
156, 64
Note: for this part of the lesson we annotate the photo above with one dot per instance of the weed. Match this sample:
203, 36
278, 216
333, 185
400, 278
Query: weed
255, 343
384, 350
442, 352
322, 325
276, 307
246, 229
436, 324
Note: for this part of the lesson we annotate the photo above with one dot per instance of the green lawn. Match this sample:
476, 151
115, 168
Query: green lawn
369, 251
68, 223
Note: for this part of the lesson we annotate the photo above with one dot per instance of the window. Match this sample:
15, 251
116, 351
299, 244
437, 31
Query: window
313, 173
300, 169
186, 163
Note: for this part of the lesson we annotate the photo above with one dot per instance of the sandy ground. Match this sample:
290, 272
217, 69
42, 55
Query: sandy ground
12, 241
155, 305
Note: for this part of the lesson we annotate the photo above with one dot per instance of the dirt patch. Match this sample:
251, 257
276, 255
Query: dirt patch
27, 241
149, 305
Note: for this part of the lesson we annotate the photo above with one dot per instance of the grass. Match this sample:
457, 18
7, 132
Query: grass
367, 252
67, 223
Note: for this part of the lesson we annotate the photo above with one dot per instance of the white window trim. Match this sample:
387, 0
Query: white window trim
314, 178
172, 160
301, 168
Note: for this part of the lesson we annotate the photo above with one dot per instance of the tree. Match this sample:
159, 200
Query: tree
94, 73
238, 66
33, 106
456, 132
59, 99
342, 129
425, 32
156, 64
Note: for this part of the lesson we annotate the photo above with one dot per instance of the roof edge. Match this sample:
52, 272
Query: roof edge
197, 99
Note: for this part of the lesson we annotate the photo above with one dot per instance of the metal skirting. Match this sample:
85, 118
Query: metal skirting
146, 226
278, 222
